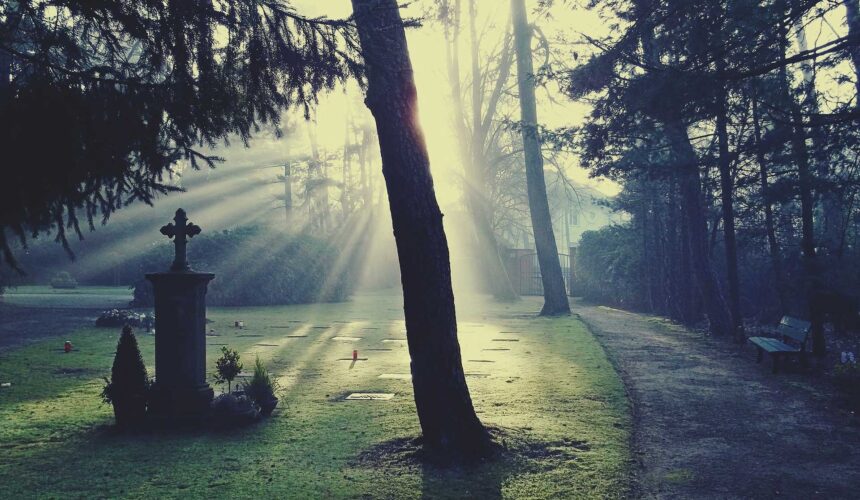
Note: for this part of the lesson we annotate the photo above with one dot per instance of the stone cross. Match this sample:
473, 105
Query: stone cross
178, 232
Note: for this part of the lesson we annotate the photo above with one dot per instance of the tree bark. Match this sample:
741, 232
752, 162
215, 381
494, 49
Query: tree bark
852, 17
769, 226
727, 189
555, 295
830, 208
448, 420
691, 200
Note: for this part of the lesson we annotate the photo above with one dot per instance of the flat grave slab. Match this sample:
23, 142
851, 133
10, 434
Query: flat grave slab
267, 345
491, 349
320, 327
506, 340
477, 375
480, 361
249, 335
394, 340
347, 339
296, 336
350, 359
396, 376
370, 396
377, 349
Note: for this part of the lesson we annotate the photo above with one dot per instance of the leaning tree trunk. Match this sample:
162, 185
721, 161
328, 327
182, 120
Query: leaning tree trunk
448, 420
555, 296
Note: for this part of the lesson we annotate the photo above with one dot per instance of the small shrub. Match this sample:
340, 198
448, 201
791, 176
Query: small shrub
228, 366
63, 280
128, 387
261, 388
230, 409
113, 318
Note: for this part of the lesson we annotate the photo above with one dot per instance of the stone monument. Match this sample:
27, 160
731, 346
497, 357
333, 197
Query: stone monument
180, 391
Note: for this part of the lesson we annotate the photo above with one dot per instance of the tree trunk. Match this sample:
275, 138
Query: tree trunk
852, 16
476, 177
727, 189
486, 253
346, 169
691, 200
770, 228
448, 420
555, 296
288, 193
830, 208
692, 207
800, 155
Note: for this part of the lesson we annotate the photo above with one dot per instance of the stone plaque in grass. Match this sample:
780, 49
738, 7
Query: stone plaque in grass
396, 376
347, 339
477, 375
496, 349
296, 336
506, 340
480, 361
394, 340
370, 396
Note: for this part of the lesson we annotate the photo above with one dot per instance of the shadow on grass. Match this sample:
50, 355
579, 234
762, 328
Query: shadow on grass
515, 452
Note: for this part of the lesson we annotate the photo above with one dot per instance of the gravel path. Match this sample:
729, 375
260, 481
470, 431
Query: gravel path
711, 423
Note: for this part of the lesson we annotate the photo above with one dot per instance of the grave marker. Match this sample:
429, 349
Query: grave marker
347, 339
180, 391
369, 396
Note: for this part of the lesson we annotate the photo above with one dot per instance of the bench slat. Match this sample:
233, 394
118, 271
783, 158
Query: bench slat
773, 345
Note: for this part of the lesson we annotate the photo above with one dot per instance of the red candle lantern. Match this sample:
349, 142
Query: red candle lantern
355, 355
67, 346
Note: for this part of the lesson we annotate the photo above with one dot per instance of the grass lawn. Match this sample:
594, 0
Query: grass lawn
557, 400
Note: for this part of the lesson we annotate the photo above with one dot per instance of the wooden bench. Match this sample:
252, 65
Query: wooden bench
794, 334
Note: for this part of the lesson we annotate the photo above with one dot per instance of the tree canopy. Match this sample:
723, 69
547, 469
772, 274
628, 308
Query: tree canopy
101, 98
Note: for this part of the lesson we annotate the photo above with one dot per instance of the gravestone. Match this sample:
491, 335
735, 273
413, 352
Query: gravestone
370, 396
180, 391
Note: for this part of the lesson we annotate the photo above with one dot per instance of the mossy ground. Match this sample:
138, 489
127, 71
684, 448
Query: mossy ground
559, 406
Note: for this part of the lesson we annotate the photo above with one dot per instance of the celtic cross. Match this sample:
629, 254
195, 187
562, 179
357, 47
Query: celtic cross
179, 232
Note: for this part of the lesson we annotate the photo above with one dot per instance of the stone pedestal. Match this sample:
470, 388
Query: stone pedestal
180, 391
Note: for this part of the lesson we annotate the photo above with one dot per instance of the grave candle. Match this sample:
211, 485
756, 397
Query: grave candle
67, 346
355, 354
